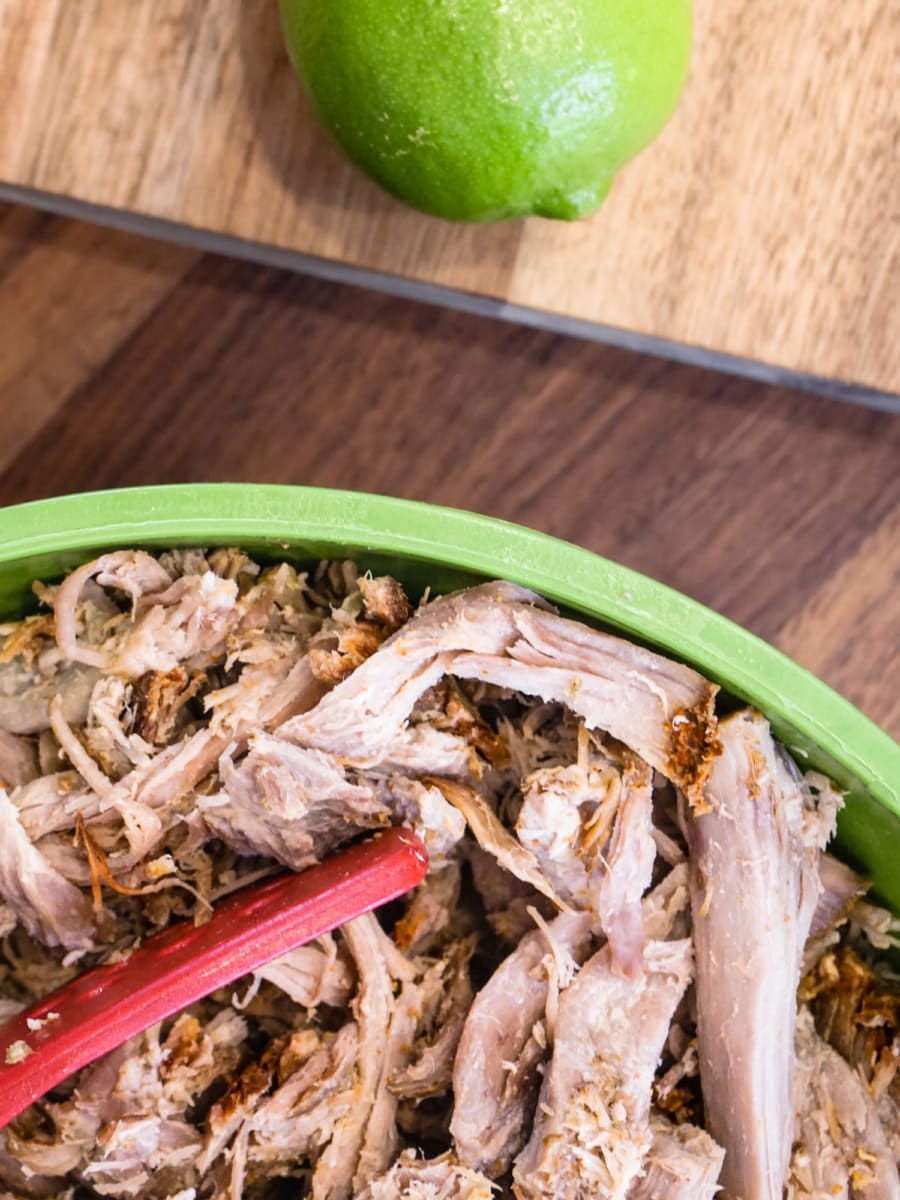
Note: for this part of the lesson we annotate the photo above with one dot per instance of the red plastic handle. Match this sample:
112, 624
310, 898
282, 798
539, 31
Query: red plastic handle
103, 1008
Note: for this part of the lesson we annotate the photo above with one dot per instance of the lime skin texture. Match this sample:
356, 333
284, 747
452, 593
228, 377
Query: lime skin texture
480, 110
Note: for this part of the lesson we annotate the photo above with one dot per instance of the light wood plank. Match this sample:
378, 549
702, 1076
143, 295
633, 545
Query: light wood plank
763, 223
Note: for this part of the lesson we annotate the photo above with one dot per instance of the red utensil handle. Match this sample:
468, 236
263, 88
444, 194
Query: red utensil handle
105, 1007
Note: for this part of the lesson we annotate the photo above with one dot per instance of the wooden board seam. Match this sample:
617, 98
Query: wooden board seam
334, 271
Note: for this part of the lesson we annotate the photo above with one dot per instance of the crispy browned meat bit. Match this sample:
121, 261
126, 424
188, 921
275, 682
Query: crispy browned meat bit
28, 638
253, 1082
858, 1013
385, 601
185, 1045
332, 663
455, 713
159, 698
695, 746
342, 647
675, 1093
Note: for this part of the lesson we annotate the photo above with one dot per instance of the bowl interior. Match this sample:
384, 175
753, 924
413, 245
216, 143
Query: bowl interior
425, 546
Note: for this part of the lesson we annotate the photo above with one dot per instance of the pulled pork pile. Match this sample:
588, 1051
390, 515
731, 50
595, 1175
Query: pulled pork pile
631, 971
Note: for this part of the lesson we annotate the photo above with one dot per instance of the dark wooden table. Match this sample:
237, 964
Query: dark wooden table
125, 361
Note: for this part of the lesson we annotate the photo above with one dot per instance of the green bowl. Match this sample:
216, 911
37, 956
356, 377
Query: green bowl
444, 548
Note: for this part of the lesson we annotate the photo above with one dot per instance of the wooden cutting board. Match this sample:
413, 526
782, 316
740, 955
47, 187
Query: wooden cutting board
763, 224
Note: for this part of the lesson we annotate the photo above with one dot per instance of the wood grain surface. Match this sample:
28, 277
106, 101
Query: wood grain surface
762, 224
134, 362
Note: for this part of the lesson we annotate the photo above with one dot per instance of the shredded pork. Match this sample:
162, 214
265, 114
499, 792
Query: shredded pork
594, 992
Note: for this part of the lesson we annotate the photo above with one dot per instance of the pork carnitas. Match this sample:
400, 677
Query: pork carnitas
631, 971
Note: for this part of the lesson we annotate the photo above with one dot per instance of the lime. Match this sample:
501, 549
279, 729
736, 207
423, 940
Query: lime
478, 110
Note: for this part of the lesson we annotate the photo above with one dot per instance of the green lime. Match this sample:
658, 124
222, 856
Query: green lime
478, 110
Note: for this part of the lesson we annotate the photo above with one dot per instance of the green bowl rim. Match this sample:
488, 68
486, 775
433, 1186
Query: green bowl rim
603, 590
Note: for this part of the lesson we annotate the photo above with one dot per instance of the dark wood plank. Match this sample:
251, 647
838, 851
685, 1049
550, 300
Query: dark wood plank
69, 295
781, 510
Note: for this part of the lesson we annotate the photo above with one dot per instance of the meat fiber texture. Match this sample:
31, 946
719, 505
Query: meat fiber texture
594, 992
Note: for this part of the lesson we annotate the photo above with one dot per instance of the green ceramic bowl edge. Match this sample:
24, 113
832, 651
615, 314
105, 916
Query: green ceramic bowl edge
425, 545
